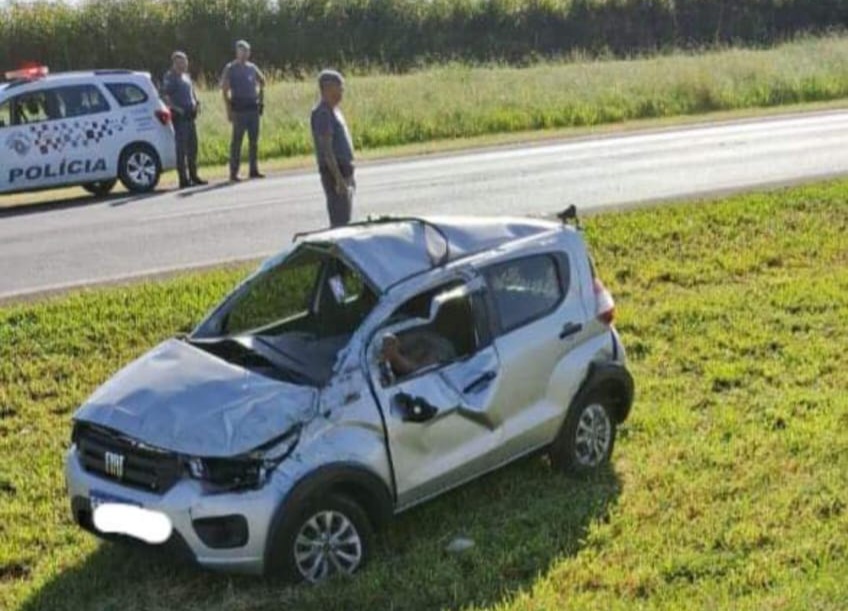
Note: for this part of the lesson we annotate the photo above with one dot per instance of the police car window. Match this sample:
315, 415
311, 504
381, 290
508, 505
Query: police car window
79, 100
525, 290
127, 94
34, 108
5, 113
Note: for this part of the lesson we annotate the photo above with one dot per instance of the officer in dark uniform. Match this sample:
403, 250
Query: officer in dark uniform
178, 92
242, 85
333, 148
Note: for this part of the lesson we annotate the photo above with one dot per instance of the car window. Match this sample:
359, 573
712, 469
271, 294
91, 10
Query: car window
58, 103
452, 335
279, 294
35, 107
525, 290
5, 113
127, 94
79, 100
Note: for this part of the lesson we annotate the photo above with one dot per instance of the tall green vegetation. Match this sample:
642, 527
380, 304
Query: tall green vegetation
455, 101
292, 35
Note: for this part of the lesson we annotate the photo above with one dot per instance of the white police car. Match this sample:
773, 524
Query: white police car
83, 128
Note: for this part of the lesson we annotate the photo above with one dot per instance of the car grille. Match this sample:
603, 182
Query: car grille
141, 467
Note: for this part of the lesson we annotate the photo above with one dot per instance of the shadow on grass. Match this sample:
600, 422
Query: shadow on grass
522, 519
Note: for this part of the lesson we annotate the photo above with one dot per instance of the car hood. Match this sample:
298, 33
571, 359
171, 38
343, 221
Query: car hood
180, 398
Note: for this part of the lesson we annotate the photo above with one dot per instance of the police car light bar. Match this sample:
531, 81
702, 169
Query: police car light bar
29, 73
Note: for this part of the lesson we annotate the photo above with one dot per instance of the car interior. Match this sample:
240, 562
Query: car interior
305, 310
454, 328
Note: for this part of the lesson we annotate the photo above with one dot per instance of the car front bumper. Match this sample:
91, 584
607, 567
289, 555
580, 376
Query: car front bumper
184, 504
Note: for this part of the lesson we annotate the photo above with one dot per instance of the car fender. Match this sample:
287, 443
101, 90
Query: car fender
614, 378
586, 368
351, 479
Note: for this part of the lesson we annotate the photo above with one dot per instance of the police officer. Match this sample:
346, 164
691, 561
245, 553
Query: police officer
242, 85
333, 148
178, 92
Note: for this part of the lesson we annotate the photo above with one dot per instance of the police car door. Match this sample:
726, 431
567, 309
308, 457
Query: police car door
57, 137
439, 420
6, 144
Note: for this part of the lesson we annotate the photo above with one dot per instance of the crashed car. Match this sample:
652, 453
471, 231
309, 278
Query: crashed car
361, 372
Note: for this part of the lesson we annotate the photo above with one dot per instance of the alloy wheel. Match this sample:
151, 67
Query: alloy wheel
327, 544
594, 434
141, 169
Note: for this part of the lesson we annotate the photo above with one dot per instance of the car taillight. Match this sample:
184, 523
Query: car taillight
164, 116
605, 308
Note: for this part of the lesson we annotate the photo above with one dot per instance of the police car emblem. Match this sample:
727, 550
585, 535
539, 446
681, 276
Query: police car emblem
19, 142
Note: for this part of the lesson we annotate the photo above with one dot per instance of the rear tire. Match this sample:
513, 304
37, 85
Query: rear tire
320, 538
101, 188
139, 168
587, 437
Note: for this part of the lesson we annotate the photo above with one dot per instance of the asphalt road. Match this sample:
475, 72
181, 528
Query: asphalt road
63, 246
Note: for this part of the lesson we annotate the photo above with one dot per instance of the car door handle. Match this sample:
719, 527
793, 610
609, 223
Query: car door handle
570, 328
480, 383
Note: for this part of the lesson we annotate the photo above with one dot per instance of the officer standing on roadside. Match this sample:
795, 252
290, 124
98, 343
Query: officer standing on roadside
242, 85
333, 148
178, 92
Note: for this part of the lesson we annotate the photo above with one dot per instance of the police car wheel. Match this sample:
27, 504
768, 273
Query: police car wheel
100, 188
139, 168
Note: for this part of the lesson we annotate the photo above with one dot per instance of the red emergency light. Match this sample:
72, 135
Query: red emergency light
28, 73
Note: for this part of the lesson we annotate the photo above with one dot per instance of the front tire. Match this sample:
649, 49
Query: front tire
585, 442
320, 539
101, 188
139, 168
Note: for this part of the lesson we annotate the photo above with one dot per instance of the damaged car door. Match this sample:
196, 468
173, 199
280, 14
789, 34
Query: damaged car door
441, 423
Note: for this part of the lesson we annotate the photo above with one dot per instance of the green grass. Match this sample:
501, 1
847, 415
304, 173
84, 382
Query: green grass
728, 488
458, 101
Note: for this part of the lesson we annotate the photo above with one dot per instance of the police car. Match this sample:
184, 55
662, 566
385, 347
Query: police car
83, 128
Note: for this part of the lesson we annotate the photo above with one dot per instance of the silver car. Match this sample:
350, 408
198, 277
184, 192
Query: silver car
359, 373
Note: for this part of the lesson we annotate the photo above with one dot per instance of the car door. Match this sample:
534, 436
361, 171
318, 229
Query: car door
540, 318
58, 136
7, 144
458, 430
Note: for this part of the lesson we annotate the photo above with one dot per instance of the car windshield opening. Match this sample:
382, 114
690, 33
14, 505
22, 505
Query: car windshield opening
300, 313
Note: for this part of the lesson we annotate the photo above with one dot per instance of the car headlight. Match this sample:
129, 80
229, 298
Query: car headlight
250, 470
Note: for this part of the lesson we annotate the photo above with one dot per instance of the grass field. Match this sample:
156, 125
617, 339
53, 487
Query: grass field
460, 101
728, 489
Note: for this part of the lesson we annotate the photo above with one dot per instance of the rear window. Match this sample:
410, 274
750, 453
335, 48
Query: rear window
525, 290
127, 94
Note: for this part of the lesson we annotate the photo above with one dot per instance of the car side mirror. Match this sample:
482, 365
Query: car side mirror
414, 409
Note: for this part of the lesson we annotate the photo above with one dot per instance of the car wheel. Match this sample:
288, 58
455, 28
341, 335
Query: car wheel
585, 442
101, 188
139, 168
321, 539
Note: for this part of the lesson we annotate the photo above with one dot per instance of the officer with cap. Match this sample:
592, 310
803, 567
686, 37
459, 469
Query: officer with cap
178, 92
333, 148
242, 85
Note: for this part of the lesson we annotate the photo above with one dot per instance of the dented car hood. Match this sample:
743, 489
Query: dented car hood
180, 398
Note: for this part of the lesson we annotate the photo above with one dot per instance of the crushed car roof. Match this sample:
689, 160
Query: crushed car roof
390, 250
